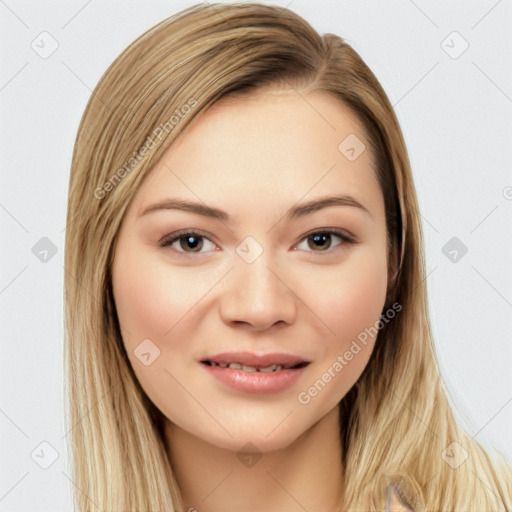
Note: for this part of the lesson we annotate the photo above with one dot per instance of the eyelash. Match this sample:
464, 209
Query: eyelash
169, 239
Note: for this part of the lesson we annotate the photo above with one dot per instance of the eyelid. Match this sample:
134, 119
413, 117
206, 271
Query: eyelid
343, 233
346, 236
170, 238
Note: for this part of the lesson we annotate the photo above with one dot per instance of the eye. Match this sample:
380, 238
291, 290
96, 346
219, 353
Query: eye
185, 240
322, 240
192, 242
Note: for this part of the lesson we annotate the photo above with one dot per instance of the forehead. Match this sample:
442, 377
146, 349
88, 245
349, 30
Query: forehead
267, 148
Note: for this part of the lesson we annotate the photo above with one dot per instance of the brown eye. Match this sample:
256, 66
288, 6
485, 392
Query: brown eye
192, 242
322, 241
185, 242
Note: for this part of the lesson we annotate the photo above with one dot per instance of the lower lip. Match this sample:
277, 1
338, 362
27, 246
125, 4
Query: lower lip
255, 382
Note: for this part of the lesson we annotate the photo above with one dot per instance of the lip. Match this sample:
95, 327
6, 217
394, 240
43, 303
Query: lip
256, 382
257, 360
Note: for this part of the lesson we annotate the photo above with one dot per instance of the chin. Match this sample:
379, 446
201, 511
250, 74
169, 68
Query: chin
249, 440
261, 435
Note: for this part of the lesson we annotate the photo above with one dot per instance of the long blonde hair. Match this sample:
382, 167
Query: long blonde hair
396, 423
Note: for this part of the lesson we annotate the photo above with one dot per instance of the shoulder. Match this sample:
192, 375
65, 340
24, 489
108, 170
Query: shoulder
395, 502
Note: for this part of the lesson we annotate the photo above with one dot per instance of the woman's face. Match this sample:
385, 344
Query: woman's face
275, 276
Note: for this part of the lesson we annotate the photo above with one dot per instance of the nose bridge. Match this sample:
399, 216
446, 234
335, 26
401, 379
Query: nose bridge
259, 278
257, 293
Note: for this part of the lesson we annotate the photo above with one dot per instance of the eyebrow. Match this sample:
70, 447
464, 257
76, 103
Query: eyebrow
293, 213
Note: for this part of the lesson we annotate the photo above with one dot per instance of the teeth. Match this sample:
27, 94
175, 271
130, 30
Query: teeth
250, 369
273, 368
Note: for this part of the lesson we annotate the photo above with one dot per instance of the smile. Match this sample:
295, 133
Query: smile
251, 369
252, 373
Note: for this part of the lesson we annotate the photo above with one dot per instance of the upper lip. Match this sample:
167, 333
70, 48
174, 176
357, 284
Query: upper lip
257, 360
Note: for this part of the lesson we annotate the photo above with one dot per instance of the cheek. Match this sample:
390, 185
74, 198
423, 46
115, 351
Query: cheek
350, 304
352, 299
150, 300
142, 303
152, 303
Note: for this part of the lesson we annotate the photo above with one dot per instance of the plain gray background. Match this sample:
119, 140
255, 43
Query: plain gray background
445, 67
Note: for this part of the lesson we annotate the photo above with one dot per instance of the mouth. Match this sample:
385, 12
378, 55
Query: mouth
250, 362
251, 369
253, 373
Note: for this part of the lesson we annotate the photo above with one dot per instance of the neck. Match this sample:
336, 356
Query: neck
305, 475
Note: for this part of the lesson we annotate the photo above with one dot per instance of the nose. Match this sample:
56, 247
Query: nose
257, 296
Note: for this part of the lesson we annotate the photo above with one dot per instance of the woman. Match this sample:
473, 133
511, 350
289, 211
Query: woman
246, 315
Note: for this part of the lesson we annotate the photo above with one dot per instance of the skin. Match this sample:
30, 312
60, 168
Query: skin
254, 157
